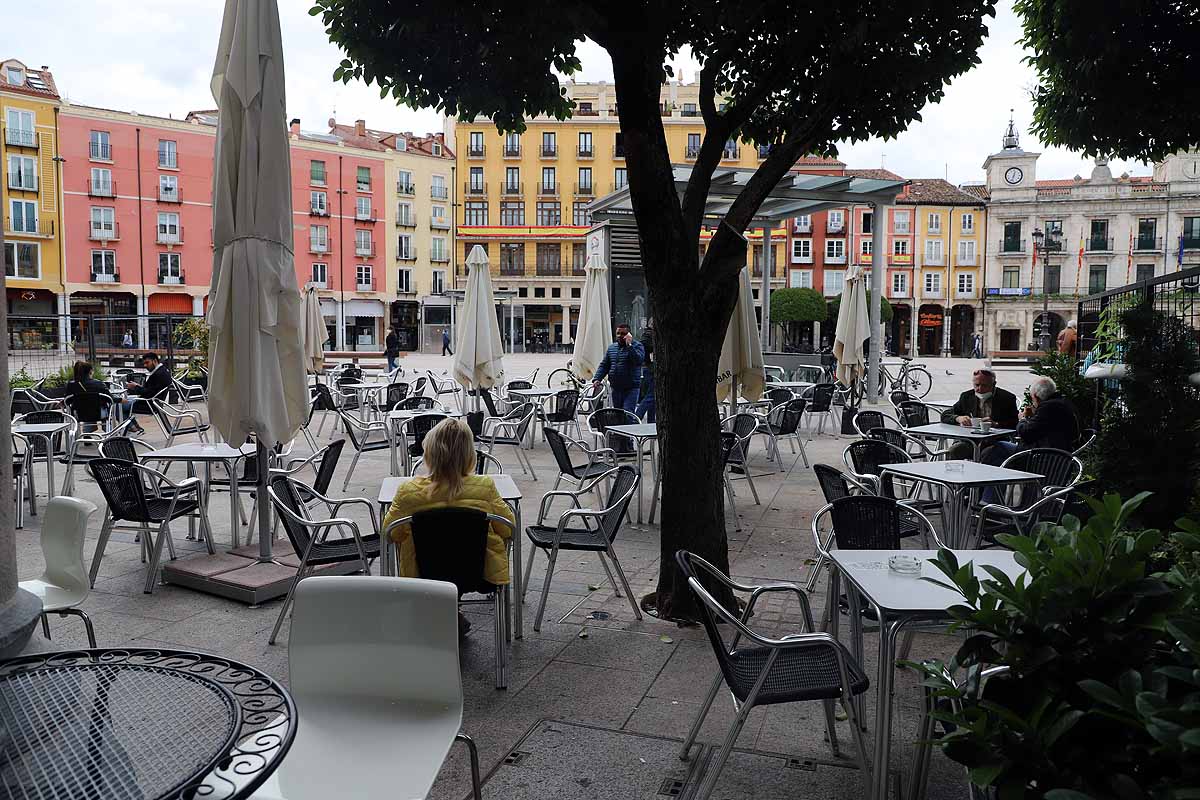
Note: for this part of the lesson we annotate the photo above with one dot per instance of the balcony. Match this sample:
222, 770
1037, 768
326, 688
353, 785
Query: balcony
319, 284
834, 227
169, 194
512, 150
364, 249
476, 150
1148, 244
19, 137
932, 294
548, 189
549, 151
802, 226
584, 152
408, 220
439, 192
318, 180
318, 210
366, 284
584, 189
41, 227
19, 182
362, 186
902, 230
439, 258
731, 153
169, 236
547, 270
578, 269
406, 189
99, 151
365, 215
439, 224
1012, 247
802, 258
618, 151
106, 277
512, 189
512, 270
318, 247
1190, 242
689, 112
835, 259
966, 260
1099, 244
934, 260
105, 233
101, 189
167, 279
692, 152
475, 189
406, 254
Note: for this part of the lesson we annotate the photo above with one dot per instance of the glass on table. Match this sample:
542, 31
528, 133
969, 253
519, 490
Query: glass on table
954, 466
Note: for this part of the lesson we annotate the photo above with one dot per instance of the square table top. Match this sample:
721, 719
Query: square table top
972, 474
790, 384
40, 427
401, 414
642, 430
908, 594
505, 485
534, 392
943, 430
364, 385
201, 451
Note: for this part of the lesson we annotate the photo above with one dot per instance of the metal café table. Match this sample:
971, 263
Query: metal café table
534, 395
46, 432
641, 433
944, 430
795, 386
959, 481
899, 600
209, 453
139, 723
509, 493
361, 389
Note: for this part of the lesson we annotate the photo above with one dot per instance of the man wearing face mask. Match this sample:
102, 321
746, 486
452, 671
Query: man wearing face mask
984, 400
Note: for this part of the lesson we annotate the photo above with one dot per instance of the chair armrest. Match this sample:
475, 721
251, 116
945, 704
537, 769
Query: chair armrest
334, 505
758, 592
185, 485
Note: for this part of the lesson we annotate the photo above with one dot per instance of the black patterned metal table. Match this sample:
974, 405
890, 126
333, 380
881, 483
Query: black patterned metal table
139, 723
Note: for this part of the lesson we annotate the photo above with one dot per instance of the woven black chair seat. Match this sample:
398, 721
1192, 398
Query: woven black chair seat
336, 551
370, 446
803, 673
513, 440
588, 471
204, 428
157, 508
572, 538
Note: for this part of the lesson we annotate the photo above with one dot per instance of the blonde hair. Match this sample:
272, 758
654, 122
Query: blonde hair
449, 457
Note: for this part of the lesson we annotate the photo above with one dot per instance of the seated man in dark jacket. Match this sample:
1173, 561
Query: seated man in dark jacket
623, 365
1049, 422
156, 382
985, 400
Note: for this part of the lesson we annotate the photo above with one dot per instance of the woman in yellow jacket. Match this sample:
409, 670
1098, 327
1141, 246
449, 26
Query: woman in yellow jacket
452, 483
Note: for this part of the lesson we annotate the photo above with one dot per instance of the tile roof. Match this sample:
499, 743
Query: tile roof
819, 161
379, 140
38, 82
936, 191
874, 174
979, 190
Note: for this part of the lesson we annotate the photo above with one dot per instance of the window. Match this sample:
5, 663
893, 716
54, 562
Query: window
437, 188
404, 281
578, 258
362, 208
475, 213
966, 283
689, 110
1191, 233
800, 279
404, 181
900, 222
99, 146
1097, 279
512, 144
803, 224
104, 266
404, 246
169, 231
103, 222
437, 249
168, 154
318, 238
169, 270
585, 144
968, 222
404, 214
580, 216
549, 258
512, 213
1147, 234
867, 219
1098, 236
549, 184
933, 284
933, 251
549, 143
316, 173
836, 221
835, 281
475, 143
900, 247
693, 145
15, 76
867, 247
362, 179
318, 203
801, 251
935, 222
899, 284
436, 148
168, 187
475, 185
1145, 272
585, 180
438, 282
835, 250
731, 149
512, 180
22, 260
1012, 238
364, 279
320, 275
20, 130
363, 246
1051, 278
966, 252
620, 178
619, 145
23, 216
549, 213
1011, 278
21, 174
512, 258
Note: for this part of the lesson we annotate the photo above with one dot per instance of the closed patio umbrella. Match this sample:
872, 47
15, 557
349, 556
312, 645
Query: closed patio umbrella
315, 332
594, 332
853, 328
479, 354
256, 316
741, 364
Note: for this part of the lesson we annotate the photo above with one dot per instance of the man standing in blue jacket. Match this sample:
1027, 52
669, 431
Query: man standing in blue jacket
622, 365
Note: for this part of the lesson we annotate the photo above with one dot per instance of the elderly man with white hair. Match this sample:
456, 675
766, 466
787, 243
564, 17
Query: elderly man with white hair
1067, 338
1049, 422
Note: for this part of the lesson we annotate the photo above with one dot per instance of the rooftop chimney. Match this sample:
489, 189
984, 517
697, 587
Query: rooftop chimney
295, 126
360, 127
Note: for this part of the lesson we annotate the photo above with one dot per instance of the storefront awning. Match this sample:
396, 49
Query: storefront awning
328, 307
364, 308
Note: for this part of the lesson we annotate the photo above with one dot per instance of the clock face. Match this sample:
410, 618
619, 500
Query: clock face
1014, 175
1191, 170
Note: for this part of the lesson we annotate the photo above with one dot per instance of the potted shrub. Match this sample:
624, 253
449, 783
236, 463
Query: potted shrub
192, 334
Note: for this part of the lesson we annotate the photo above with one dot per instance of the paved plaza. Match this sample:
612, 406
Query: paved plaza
598, 702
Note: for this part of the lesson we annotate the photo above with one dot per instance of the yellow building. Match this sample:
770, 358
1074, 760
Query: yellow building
31, 194
946, 280
524, 199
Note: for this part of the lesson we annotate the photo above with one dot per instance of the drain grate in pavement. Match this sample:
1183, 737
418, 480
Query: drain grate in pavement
515, 757
671, 788
769, 776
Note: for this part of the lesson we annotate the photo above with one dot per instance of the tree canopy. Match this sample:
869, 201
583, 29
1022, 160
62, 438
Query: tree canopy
885, 308
797, 305
1114, 77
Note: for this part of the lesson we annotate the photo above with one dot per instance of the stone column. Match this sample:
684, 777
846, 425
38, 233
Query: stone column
878, 267
566, 312
64, 322
764, 294
143, 311
198, 306
339, 314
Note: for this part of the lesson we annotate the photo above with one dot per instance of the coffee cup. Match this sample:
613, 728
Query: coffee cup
985, 425
976, 423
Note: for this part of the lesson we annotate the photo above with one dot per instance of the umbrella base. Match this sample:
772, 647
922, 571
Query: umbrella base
239, 575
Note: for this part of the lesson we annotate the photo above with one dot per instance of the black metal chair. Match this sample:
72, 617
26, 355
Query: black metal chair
177, 421
321, 400
898, 396
866, 458
1024, 506
512, 400
450, 544
744, 426
444, 387
778, 397
1087, 437
310, 538
90, 409
417, 403
913, 413
762, 670
364, 437
868, 420
560, 447
820, 402
85, 447
565, 405
783, 422
511, 430
485, 464
835, 485
323, 463
21, 455
600, 420
596, 533
124, 486
393, 395
411, 437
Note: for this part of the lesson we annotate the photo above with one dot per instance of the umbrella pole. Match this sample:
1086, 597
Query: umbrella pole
264, 504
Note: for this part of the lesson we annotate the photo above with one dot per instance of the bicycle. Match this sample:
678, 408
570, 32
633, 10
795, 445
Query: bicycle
911, 378
567, 378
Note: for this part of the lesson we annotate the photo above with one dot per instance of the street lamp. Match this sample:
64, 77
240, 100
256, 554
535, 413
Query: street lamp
1041, 245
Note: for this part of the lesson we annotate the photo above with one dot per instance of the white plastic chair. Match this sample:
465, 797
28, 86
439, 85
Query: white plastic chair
382, 730
64, 585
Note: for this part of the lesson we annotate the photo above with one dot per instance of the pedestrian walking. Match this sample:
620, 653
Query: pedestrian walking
977, 345
446, 342
1067, 338
127, 340
391, 347
622, 366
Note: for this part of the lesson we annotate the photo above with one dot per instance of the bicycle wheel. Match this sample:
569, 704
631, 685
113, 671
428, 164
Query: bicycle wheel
562, 378
917, 382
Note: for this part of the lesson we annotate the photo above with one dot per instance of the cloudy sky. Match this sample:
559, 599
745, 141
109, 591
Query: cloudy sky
156, 56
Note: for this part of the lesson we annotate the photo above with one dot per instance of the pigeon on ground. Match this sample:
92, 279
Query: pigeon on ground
948, 372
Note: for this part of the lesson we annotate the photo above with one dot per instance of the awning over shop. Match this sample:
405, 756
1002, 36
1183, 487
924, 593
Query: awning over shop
328, 307
170, 304
364, 308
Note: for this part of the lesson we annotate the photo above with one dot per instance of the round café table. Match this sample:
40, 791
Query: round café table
139, 723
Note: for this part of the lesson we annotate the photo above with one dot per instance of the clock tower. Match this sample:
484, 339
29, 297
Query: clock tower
1012, 167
